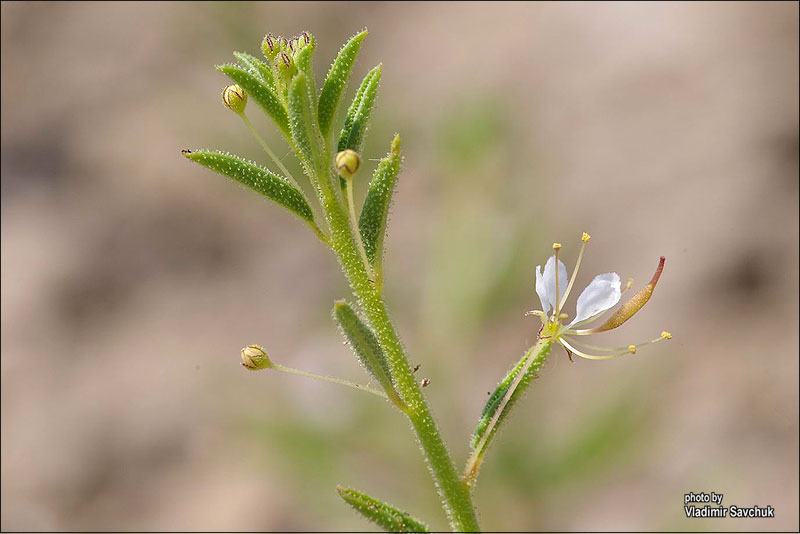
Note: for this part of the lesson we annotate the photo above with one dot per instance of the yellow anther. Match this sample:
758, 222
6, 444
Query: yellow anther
628, 284
632, 349
585, 237
666, 335
563, 316
556, 246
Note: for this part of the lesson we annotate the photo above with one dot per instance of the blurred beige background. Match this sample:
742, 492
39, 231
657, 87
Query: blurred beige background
131, 278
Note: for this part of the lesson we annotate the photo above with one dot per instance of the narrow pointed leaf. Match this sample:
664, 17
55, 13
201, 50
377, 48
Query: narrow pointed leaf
384, 515
301, 121
255, 66
485, 430
305, 64
336, 82
360, 111
256, 178
261, 92
366, 346
351, 111
375, 212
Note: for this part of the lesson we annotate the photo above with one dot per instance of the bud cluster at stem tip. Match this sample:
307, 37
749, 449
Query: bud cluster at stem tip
282, 51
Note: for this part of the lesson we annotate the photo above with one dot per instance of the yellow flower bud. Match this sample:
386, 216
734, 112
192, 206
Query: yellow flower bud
347, 163
234, 98
254, 358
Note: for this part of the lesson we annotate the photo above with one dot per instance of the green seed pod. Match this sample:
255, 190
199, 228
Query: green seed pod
234, 98
255, 358
347, 163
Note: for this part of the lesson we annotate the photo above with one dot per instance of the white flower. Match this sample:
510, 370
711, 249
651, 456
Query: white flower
602, 294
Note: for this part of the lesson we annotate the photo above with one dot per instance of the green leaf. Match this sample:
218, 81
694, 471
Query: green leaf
384, 515
257, 67
530, 364
375, 212
336, 81
366, 346
496, 398
357, 119
301, 121
305, 64
256, 178
261, 92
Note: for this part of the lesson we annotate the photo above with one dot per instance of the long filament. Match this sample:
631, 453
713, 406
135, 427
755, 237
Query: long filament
591, 356
612, 352
556, 304
572, 279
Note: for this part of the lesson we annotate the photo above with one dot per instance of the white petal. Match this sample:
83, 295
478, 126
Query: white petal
600, 295
540, 290
549, 279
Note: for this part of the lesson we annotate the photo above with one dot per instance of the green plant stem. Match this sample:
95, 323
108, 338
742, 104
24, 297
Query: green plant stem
351, 206
456, 497
331, 379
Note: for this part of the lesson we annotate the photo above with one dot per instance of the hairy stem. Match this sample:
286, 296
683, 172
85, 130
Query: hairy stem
356, 233
456, 498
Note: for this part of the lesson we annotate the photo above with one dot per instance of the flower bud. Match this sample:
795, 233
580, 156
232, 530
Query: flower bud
270, 46
347, 163
286, 68
254, 358
234, 98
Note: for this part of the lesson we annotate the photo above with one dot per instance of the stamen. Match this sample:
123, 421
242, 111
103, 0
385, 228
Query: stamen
593, 356
556, 248
585, 239
613, 352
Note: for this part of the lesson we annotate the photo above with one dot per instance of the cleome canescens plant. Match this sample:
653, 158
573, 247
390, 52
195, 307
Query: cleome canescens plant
283, 85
